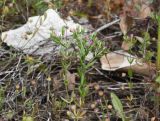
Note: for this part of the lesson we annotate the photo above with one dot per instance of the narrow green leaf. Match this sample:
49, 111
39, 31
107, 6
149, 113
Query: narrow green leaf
118, 105
130, 72
158, 79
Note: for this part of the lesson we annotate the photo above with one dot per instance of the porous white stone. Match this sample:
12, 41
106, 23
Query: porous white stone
33, 37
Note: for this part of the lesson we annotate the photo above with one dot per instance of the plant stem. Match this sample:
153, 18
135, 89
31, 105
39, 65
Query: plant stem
157, 99
158, 49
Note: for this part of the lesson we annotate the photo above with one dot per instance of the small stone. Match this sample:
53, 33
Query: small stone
68, 113
73, 107
33, 82
110, 107
124, 74
93, 106
49, 78
96, 87
153, 118
17, 87
100, 93
122, 87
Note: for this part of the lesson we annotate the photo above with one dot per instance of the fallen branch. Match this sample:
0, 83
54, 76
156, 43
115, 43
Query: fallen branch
106, 26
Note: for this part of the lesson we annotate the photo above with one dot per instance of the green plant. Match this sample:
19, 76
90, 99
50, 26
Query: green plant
28, 103
147, 54
104, 106
158, 47
66, 63
156, 16
76, 113
85, 46
27, 118
10, 114
157, 99
58, 4
80, 47
1, 97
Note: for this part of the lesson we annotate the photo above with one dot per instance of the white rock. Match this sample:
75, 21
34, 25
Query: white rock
33, 37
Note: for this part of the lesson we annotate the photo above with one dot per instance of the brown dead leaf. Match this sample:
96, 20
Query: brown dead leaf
130, 9
118, 60
71, 80
57, 82
125, 45
125, 22
144, 69
80, 2
116, 5
111, 60
118, 2
145, 11
135, 1
153, 118
107, 119
1, 119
